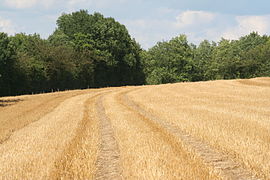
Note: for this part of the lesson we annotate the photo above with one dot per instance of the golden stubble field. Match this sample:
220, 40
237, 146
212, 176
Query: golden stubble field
203, 130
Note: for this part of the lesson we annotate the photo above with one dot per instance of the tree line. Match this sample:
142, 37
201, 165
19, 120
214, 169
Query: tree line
177, 60
90, 51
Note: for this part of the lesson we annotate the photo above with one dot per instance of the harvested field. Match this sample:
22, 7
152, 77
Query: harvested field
203, 130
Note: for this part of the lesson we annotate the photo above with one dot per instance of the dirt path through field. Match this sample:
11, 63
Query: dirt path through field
108, 162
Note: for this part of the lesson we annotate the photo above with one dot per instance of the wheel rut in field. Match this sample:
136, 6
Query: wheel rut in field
108, 160
52, 103
221, 164
34, 109
63, 165
31, 152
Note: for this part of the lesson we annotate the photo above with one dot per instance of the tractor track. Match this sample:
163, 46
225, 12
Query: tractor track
167, 158
109, 134
35, 110
108, 162
37, 146
220, 164
63, 166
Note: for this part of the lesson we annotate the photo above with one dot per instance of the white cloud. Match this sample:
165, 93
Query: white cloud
75, 2
20, 4
247, 24
197, 25
189, 18
6, 26
93, 3
165, 10
166, 23
48, 3
149, 31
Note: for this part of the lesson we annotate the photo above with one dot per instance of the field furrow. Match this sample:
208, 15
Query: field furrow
108, 160
221, 164
30, 153
203, 130
146, 152
30, 109
238, 132
78, 159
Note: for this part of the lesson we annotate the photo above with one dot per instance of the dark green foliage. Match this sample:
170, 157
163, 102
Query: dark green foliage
203, 60
115, 54
233, 58
176, 60
89, 50
30, 65
169, 62
84, 51
7, 60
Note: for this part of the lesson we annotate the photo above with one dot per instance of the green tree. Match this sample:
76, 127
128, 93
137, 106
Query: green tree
6, 66
30, 65
203, 60
230, 58
118, 54
61, 68
169, 62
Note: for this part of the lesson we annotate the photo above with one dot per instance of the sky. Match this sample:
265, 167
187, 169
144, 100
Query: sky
148, 21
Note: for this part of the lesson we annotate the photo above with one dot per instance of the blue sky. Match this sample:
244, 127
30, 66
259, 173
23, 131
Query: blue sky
148, 21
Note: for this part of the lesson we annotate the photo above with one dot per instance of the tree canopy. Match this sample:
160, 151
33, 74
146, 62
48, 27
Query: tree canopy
90, 50
86, 50
177, 60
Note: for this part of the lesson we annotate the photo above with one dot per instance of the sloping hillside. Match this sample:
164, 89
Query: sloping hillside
203, 130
